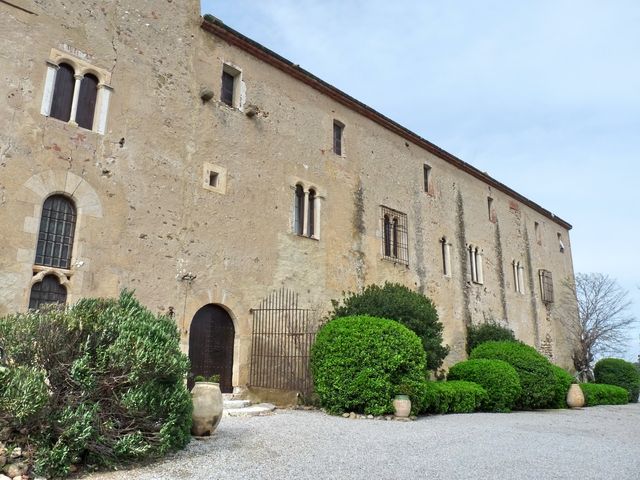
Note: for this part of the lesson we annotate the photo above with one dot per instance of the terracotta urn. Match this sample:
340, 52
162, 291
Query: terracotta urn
207, 408
575, 397
402, 406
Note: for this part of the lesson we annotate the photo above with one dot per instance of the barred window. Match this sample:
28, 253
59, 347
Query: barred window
57, 228
48, 291
546, 286
395, 244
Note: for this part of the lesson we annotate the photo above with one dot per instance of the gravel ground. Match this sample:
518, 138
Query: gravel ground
593, 443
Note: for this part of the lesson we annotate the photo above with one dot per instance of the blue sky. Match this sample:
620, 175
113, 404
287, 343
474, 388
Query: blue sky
542, 95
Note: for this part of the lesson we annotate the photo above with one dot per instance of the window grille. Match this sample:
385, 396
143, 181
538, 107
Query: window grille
46, 292
546, 286
395, 244
57, 227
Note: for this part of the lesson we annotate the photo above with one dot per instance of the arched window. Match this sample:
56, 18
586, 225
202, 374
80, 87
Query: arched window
299, 211
47, 291
87, 101
387, 236
57, 227
311, 213
63, 93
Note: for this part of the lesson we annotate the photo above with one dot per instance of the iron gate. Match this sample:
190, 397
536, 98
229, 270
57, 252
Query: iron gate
281, 344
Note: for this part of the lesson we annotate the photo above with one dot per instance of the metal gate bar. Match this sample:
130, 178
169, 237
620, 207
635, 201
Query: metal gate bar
281, 344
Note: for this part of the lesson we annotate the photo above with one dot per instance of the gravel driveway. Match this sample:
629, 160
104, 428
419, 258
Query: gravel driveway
593, 443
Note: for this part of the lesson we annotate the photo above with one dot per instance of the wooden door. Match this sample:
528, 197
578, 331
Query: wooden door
211, 345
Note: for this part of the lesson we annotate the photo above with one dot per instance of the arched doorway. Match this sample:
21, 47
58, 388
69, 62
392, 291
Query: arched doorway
211, 345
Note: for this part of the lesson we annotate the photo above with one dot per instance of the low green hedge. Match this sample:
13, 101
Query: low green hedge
498, 378
487, 332
453, 397
563, 381
537, 379
615, 371
603, 394
360, 363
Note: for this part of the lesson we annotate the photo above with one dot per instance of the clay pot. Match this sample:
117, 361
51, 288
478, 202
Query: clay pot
207, 408
402, 406
575, 397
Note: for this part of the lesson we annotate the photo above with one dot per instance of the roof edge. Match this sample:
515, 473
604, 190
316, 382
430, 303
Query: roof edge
261, 52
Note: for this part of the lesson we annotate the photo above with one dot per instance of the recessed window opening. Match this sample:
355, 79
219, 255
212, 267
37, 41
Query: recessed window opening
213, 179
395, 236
338, 129
48, 291
492, 213
311, 213
474, 256
63, 93
536, 229
427, 178
87, 101
560, 242
518, 276
226, 92
446, 257
299, 211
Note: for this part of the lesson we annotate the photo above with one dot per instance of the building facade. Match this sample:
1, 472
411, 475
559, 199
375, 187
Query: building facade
149, 149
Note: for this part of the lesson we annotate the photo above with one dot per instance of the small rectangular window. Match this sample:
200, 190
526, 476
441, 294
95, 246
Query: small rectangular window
213, 179
226, 92
492, 213
560, 242
427, 178
338, 128
536, 228
446, 257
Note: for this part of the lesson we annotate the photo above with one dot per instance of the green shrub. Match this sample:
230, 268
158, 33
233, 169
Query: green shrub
498, 378
453, 397
615, 371
487, 332
537, 379
603, 394
563, 381
399, 303
359, 364
104, 381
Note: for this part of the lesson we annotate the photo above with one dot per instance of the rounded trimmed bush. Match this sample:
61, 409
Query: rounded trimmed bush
487, 332
497, 377
615, 371
537, 379
397, 302
563, 381
603, 394
360, 363
456, 396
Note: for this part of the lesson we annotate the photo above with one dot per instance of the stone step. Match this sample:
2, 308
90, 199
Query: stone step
232, 403
251, 411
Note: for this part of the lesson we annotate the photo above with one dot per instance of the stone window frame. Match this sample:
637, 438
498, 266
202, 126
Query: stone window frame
238, 96
518, 276
474, 259
546, 286
87, 203
221, 175
303, 229
338, 138
395, 235
80, 68
445, 245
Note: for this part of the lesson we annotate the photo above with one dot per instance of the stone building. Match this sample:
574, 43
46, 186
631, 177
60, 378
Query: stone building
143, 147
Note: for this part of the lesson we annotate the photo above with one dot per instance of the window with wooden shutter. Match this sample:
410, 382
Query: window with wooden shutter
546, 286
87, 101
63, 93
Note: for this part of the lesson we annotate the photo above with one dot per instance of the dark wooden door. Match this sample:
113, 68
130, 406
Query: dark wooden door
211, 345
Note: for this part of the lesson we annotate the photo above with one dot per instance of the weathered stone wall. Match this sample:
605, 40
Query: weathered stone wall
145, 219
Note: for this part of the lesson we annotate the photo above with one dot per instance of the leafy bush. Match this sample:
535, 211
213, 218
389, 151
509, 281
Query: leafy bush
360, 363
399, 303
615, 371
537, 379
603, 394
563, 381
453, 397
101, 383
486, 332
498, 378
